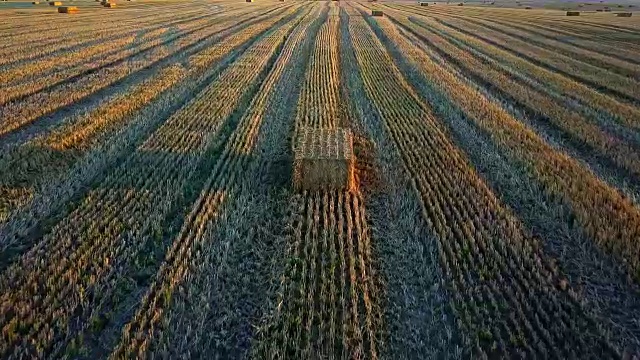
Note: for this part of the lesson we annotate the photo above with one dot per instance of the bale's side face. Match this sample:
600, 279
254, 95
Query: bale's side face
323, 174
324, 160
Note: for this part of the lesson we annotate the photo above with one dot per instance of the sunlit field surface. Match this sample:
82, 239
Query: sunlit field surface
148, 168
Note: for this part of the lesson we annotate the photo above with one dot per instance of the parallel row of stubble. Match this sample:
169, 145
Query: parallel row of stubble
504, 291
587, 55
625, 87
149, 323
83, 58
554, 83
45, 157
86, 34
328, 301
30, 76
67, 32
611, 219
596, 27
74, 267
29, 100
578, 126
571, 36
319, 99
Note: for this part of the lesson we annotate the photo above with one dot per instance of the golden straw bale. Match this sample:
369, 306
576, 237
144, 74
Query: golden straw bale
67, 9
324, 160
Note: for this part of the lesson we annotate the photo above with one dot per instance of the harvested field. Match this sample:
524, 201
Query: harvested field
324, 179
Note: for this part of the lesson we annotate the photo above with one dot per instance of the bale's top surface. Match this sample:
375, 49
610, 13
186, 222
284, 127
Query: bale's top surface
324, 144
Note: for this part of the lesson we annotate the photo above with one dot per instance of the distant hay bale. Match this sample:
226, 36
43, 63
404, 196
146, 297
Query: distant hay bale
324, 160
55, 3
249, 0
109, 5
624, 14
36, 3
424, 4
527, 7
460, 4
573, 13
599, 10
377, 13
67, 9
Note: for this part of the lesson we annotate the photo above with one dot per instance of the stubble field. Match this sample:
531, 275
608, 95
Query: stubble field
147, 206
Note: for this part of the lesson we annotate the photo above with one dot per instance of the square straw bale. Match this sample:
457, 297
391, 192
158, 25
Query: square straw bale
324, 160
67, 9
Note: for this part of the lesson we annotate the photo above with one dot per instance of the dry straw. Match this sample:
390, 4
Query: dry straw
324, 160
